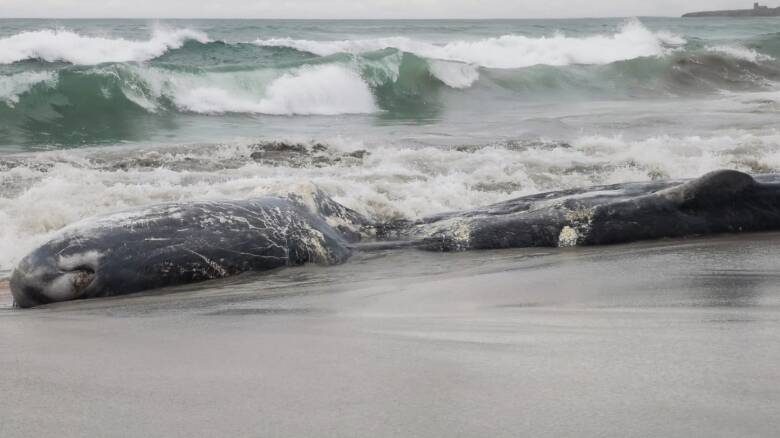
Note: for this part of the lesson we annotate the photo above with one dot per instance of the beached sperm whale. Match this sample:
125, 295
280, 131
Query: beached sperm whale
182, 243
719, 202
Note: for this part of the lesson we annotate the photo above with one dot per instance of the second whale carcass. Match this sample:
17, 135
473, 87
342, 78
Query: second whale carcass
719, 202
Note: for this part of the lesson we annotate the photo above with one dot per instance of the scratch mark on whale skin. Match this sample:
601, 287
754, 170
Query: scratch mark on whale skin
211, 263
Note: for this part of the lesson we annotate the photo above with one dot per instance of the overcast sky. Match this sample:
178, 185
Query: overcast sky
360, 8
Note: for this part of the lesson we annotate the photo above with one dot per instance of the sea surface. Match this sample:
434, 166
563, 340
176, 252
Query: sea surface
395, 119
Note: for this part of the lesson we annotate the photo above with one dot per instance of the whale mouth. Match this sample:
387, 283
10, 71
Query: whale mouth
81, 277
69, 285
78, 272
41, 279
37, 287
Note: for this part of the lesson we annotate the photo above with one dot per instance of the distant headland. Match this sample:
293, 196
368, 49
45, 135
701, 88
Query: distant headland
757, 11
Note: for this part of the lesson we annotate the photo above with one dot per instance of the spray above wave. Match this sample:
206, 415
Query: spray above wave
511, 51
67, 46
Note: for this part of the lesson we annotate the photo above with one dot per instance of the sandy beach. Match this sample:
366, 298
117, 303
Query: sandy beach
674, 338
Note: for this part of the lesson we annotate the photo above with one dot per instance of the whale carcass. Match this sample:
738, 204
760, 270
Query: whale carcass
182, 243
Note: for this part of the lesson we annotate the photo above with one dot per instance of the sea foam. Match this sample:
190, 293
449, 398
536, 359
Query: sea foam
49, 190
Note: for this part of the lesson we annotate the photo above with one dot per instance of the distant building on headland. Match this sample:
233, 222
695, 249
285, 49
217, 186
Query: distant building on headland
758, 10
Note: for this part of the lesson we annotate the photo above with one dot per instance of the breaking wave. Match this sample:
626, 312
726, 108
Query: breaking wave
67, 46
323, 90
12, 86
75, 88
378, 81
510, 51
742, 53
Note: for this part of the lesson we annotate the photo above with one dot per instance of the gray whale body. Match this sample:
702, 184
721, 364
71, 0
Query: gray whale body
719, 202
174, 244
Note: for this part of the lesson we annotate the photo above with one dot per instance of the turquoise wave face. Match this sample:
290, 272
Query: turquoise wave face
65, 88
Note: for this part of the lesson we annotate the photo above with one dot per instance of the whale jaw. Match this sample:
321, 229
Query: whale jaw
42, 280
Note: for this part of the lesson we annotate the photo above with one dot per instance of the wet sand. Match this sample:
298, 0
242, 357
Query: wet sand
666, 339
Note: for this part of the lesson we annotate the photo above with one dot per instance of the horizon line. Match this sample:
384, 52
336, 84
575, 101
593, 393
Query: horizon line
340, 19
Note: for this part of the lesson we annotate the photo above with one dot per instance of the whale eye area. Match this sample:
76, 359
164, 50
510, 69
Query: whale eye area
83, 268
79, 268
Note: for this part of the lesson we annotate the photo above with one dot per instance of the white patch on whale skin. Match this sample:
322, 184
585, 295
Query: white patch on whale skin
63, 287
314, 241
307, 195
462, 234
568, 237
580, 224
454, 233
311, 239
73, 261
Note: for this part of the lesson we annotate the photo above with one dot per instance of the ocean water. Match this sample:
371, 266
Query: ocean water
395, 119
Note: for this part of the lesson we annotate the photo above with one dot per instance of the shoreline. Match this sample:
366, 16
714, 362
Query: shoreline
316, 279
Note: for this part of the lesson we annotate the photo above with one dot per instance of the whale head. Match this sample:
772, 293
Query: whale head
46, 276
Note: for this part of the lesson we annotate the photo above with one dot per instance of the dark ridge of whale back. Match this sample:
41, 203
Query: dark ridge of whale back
718, 202
711, 188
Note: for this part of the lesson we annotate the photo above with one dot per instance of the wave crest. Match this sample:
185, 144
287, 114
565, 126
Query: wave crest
67, 46
12, 86
632, 41
741, 53
321, 90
